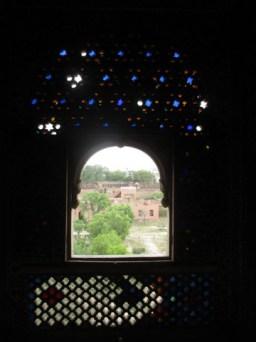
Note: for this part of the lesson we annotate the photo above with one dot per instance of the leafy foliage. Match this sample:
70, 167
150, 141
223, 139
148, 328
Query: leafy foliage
79, 226
94, 173
109, 243
155, 196
117, 217
94, 202
143, 176
80, 248
98, 173
138, 250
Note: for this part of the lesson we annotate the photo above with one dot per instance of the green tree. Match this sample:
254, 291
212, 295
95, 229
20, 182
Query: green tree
93, 202
80, 248
116, 176
79, 226
117, 217
144, 176
124, 209
94, 173
98, 173
109, 243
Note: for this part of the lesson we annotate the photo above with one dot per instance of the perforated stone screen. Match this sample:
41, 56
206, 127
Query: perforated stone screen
137, 86
127, 300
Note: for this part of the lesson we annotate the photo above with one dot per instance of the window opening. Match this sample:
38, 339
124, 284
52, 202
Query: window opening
120, 213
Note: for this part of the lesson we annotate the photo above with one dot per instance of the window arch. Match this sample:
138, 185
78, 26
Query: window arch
140, 92
121, 211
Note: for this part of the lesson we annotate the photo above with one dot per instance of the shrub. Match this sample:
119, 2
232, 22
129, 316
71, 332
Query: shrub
138, 250
107, 244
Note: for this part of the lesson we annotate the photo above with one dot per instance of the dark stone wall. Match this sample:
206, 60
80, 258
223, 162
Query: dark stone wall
218, 39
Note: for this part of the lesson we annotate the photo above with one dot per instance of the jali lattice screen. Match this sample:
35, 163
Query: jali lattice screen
127, 300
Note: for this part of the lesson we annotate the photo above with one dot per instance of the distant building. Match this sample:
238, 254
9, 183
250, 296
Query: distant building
128, 192
144, 210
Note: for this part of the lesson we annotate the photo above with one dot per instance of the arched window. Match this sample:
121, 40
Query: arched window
146, 96
123, 94
120, 212
133, 125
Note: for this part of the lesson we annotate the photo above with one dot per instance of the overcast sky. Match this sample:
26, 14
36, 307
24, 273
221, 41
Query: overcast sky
123, 158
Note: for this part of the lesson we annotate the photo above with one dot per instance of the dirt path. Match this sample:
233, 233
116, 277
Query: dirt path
150, 244
149, 237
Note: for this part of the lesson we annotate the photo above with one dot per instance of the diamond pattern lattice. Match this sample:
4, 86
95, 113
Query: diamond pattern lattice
113, 301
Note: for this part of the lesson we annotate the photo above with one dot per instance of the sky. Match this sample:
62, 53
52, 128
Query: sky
123, 158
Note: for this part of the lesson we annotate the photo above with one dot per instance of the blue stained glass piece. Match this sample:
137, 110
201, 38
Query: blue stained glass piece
105, 125
148, 54
161, 126
91, 102
148, 103
63, 101
105, 77
173, 279
31, 307
189, 127
162, 79
92, 53
189, 80
120, 53
31, 295
77, 124
119, 102
34, 102
176, 103
134, 78
133, 125
63, 53
48, 77
176, 54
